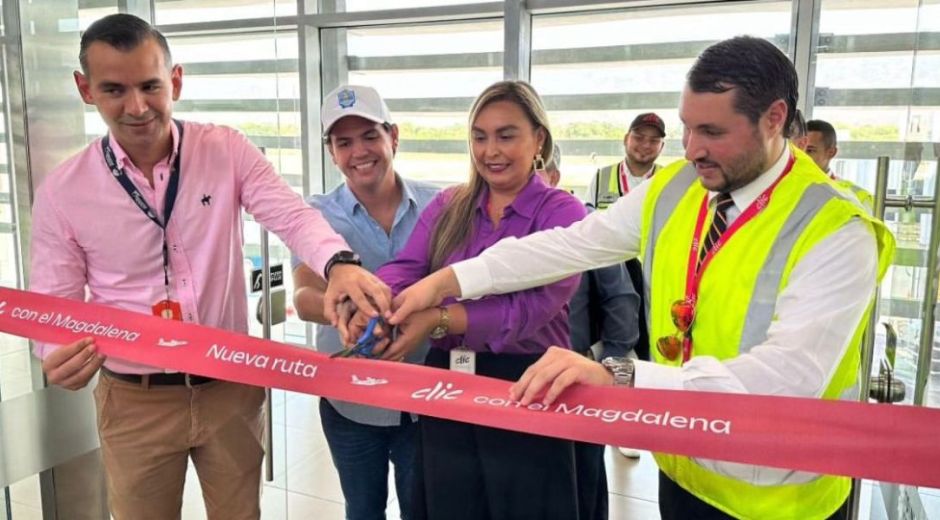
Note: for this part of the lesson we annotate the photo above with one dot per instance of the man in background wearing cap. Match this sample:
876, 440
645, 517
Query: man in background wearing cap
102, 232
642, 145
375, 210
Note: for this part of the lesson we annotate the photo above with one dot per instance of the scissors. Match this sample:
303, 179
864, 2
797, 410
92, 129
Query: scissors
367, 341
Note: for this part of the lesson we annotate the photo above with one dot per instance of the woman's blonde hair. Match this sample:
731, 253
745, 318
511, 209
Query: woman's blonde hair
455, 224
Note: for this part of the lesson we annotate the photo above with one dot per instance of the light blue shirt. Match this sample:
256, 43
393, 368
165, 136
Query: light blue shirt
375, 247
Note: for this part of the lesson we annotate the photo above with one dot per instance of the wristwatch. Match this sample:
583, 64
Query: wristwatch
621, 368
443, 323
341, 257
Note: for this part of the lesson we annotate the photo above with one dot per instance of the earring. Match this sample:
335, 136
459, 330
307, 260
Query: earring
538, 163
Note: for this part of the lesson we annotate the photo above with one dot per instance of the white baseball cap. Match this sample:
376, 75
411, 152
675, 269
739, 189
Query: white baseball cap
353, 100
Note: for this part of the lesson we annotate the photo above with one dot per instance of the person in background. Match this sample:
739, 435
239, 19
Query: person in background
149, 219
642, 145
375, 210
822, 145
604, 313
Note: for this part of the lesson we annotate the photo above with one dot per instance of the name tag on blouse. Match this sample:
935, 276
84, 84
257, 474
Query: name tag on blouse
463, 360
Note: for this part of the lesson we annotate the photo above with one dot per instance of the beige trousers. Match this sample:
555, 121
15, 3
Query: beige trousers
148, 435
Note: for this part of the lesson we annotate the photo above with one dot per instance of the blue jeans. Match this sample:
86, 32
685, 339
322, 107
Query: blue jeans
361, 454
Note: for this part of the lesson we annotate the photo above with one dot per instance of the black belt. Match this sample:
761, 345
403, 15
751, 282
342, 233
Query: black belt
159, 378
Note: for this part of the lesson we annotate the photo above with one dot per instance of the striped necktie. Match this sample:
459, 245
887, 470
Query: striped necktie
723, 202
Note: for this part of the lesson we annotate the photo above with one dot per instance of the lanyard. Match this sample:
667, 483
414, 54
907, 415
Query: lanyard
624, 184
134, 193
694, 276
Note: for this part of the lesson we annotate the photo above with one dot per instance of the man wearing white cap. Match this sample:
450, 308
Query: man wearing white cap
374, 210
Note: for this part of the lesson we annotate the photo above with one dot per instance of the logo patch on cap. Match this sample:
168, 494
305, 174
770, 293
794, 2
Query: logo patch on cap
346, 98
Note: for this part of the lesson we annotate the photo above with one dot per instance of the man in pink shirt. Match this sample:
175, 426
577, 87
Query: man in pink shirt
148, 219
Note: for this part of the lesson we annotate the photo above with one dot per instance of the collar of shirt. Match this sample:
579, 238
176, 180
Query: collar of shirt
745, 195
351, 205
124, 160
625, 168
526, 200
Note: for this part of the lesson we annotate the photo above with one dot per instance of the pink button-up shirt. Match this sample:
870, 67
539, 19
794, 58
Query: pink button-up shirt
91, 242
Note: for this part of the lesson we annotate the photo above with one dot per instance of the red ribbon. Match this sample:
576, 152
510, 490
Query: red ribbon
881, 442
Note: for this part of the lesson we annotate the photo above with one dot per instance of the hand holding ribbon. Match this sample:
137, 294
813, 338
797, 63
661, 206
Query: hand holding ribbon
554, 372
72, 366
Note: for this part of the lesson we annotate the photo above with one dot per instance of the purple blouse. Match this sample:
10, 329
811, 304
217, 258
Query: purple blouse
524, 322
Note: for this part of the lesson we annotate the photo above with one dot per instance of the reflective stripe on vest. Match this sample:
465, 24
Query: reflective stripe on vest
665, 204
764, 300
607, 190
865, 198
804, 210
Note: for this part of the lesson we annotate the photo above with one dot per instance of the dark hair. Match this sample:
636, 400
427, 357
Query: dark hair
385, 126
756, 69
124, 32
828, 131
798, 127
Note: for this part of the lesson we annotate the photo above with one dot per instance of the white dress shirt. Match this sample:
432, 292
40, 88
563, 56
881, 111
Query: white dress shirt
816, 313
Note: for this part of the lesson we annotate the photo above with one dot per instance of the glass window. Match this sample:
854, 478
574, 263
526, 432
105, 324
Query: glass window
876, 83
192, 11
873, 85
593, 90
371, 5
89, 11
429, 75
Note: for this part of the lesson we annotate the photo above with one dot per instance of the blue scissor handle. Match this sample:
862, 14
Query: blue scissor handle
367, 341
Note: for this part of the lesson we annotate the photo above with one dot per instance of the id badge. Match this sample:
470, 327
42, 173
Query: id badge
463, 360
168, 310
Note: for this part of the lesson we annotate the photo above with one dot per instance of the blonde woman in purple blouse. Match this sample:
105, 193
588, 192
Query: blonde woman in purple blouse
473, 472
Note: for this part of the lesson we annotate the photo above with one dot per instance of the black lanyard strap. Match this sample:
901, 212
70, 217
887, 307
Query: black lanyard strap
134, 193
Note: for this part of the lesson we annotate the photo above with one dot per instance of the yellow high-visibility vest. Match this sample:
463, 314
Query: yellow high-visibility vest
735, 307
607, 188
